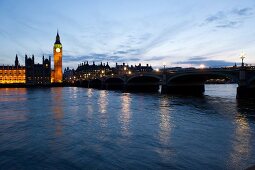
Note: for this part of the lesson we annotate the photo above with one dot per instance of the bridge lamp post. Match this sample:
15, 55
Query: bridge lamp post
202, 66
164, 64
242, 58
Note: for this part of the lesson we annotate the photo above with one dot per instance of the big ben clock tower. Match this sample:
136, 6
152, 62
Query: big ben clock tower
57, 51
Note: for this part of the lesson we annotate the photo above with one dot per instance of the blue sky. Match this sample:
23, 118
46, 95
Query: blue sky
180, 33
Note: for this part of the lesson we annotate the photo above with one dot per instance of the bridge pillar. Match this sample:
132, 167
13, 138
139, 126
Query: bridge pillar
244, 89
103, 85
245, 92
163, 89
124, 87
89, 81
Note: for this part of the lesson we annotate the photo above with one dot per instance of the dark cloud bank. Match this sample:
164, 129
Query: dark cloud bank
197, 60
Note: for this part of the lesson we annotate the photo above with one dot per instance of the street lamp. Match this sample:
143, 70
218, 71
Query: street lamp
242, 57
201, 66
164, 64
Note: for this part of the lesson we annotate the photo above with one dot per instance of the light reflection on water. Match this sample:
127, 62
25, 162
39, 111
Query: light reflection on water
241, 144
78, 128
89, 104
57, 109
14, 96
165, 128
125, 114
103, 103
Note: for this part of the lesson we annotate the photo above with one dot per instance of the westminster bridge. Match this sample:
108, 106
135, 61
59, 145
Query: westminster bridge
184, 81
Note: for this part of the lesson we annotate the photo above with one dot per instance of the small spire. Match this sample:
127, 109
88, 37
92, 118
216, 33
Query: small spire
16, 61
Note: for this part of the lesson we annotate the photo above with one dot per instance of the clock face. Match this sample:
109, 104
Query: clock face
57, 50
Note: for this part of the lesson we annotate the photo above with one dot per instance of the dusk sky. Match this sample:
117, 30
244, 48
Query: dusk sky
180, 33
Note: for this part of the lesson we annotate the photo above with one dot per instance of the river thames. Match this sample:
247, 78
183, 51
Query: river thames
80, 128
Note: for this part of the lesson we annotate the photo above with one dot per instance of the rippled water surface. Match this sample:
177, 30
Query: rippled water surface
79, 128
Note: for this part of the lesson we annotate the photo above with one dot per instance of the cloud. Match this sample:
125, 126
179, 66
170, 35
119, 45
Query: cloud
155, 58
134, 44
243, 11
129, 51
120, 52
228, 19
197, 58
98, 58
216, 17
230, 24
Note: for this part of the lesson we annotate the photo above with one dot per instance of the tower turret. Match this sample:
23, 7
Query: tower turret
16, 61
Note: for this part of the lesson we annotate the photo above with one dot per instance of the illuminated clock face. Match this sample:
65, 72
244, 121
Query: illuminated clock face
57, 50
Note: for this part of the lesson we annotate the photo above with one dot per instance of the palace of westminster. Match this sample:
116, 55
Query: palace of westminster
34, 74
42, 74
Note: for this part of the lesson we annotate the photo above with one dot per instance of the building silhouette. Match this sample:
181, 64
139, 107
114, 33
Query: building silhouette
90, 71
130, 69
38, 74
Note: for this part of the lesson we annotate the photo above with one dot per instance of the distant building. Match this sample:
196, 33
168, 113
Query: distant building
140, 68
87, 71
14, 74
38, 74
69, 75
126, 69
84, 70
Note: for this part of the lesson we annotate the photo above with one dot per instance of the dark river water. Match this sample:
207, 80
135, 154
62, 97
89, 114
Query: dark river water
79, 128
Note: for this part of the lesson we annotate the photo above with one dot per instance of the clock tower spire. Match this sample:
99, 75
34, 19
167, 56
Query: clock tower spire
57, 39
57, 51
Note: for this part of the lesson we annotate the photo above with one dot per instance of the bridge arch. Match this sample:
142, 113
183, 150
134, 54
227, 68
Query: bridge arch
114, 78
144, 75
143, 83
114, 83
84, 83
201, 77
194, 83
95, 83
